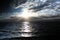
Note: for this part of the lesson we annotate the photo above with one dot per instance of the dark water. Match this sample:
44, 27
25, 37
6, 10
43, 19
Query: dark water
29, 29
17, 29
20, 30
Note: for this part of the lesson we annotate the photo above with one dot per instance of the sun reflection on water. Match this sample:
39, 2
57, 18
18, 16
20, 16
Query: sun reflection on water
26, 29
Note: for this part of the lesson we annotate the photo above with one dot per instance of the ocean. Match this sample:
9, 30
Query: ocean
30, 29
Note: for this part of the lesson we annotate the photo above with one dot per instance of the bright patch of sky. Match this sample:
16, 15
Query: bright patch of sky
43, 0
55, 4
45, 10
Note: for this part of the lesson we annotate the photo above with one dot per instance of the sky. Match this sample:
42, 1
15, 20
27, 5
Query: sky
7, 7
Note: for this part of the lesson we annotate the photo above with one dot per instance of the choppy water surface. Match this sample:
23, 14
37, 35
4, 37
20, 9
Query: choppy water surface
17, 29
40, 8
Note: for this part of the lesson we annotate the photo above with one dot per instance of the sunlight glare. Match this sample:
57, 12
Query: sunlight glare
26, 14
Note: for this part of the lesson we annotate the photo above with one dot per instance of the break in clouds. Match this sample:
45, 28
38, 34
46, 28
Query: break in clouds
41, 7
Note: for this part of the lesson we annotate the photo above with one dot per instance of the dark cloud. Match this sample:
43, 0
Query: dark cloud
5, 4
